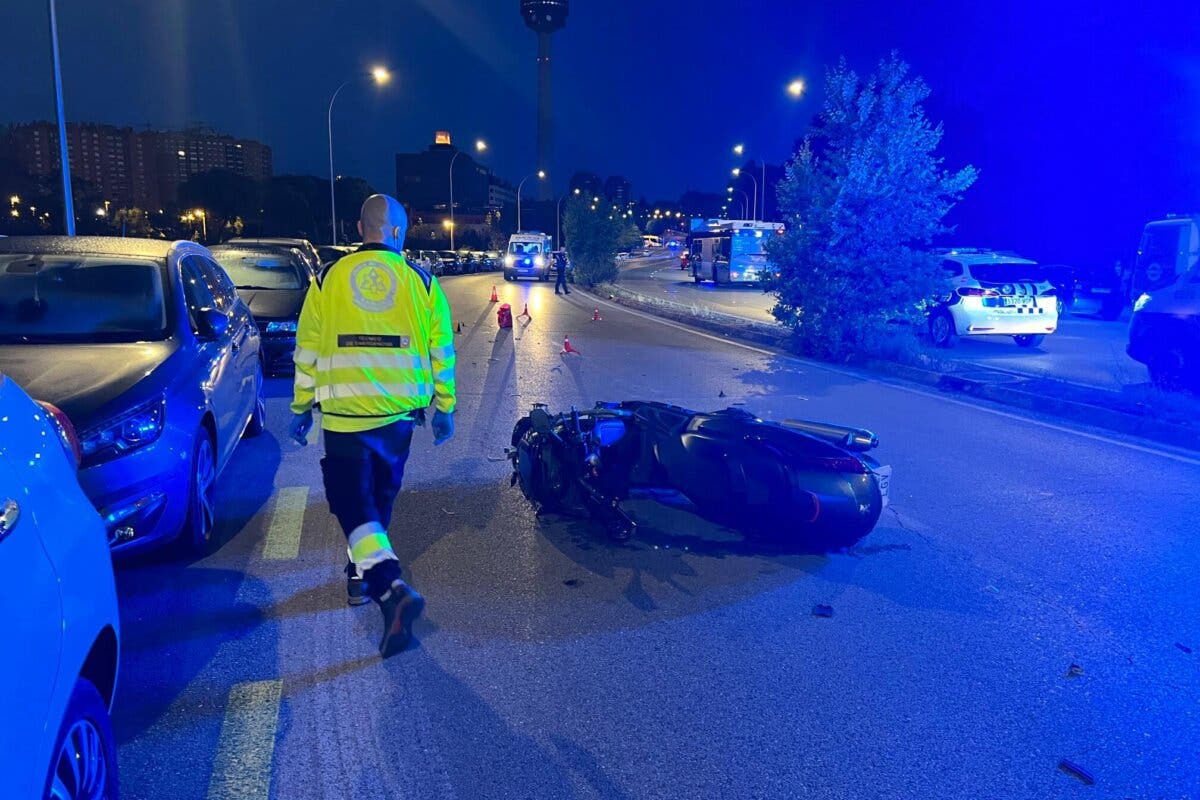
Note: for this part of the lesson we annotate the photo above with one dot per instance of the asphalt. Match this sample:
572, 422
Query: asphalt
1084, 350
553, 663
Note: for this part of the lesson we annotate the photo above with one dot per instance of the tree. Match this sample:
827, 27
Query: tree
593, 238
285, 210
862, 198
222, 194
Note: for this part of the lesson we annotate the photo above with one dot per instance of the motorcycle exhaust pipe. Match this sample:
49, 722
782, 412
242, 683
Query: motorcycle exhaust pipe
857, 440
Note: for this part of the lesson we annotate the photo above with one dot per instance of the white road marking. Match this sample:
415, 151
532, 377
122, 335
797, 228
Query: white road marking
287, 521
246, 747
1178, 457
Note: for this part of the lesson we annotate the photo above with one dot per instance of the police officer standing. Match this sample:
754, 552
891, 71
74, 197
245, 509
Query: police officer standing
560, 262
374, 347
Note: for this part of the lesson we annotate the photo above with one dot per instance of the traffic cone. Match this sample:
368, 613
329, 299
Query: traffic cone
567, 347
525, 313
494, 299
459, 328
596, 315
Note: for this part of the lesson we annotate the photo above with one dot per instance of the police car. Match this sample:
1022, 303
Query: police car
993, 294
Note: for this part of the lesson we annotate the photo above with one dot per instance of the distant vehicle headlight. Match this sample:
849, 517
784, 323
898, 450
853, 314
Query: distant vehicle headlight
539, 261
1141, 302
509, 260
123, 434
282, 326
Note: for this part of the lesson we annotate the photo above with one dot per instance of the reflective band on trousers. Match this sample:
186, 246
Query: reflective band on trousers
369, 545
340, 391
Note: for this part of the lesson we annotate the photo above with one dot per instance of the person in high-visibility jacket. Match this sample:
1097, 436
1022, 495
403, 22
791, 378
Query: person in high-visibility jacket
374, 348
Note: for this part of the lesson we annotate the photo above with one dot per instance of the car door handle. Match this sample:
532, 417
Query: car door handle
240, 339
10, 512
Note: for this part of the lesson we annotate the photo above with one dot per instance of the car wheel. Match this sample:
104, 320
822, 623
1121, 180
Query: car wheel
258, 418
202, 486
84, 765
1029, 339
941, 329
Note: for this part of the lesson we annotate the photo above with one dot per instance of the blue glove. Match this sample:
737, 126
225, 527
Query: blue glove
443, 426
299, 427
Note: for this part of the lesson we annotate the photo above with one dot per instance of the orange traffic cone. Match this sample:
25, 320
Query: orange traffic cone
567, 347
596, 315
525, 313
494, 299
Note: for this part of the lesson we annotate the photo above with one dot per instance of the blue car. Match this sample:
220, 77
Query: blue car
59, 629
147, 348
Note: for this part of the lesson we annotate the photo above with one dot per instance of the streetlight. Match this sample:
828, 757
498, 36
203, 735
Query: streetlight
558, 219
381, 76
541, 175
480, 146
740, 149
745, 199
795, 89
754, 210
63, 158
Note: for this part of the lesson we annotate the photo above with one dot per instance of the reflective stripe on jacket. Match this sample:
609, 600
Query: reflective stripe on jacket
375, 342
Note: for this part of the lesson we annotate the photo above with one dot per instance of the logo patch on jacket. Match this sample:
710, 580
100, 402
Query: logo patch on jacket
374, 286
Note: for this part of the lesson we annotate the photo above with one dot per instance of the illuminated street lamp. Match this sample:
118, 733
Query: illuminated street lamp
795, 89
380, 76
745, 199
558, 220
480, 146
737, 171
541, 175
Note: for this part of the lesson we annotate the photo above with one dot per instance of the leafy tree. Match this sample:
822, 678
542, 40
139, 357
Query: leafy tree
285, 210
222, 194
593, 239
862, 198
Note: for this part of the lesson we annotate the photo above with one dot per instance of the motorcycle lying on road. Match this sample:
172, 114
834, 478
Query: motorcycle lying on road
807, 483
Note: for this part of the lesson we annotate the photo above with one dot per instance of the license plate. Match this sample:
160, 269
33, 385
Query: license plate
883, 479
1009, 301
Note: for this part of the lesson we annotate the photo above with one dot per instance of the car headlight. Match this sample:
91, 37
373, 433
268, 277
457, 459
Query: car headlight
123, 434
509, 260
282, 326
538, 261
1141, 302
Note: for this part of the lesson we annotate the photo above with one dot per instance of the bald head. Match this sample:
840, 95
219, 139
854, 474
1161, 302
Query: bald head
383, 221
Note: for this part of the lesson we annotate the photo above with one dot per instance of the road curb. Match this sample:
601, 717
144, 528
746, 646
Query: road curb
1110, 411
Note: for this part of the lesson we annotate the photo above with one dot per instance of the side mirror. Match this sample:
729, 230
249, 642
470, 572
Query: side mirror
213, 323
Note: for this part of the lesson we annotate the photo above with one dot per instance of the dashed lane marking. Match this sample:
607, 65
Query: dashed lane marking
287, 521
246, 747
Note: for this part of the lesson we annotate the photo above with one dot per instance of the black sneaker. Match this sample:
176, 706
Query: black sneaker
400, 606
356, 586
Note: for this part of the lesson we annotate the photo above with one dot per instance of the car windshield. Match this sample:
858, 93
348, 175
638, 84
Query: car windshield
1008, 272
81, 299
1160, 244
525, 248
255, 270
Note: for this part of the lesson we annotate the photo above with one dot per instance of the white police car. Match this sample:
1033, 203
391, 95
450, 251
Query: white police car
993, 294
58, 613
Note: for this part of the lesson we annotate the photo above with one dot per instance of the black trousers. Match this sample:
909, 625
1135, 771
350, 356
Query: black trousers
363, 472
561, 281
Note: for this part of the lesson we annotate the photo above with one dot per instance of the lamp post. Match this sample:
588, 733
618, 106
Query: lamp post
754, 206
64, 159
745, 200
381, 76
480, 146
541, 175
558, 222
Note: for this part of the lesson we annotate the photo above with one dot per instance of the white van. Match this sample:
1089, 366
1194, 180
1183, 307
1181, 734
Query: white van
528, 256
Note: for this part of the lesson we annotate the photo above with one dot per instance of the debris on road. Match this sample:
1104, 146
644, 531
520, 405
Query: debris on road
1077, 772
459, 328
1074, 671
1184, 648
721, 393
571, 582
449, 513
992, 589
497, 458
821, 610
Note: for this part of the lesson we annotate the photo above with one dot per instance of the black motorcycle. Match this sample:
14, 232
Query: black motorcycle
807, 483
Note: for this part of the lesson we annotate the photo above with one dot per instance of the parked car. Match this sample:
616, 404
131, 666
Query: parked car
61, 631
273, 284
1164, 332
451, 263
993, 294
303, 245
329, 253
1098, 292
151, 353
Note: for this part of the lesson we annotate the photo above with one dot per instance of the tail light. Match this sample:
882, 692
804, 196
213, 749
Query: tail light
66, 432
975, 291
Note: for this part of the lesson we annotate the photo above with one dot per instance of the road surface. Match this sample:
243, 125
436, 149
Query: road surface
1085, 351
553, 663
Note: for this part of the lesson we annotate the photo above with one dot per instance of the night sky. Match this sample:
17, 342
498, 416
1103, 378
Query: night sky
1083, 119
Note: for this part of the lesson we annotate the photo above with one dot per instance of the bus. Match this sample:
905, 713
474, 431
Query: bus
651, 242
731, 251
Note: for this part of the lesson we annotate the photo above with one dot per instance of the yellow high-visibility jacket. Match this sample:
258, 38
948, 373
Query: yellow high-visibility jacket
375, 343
